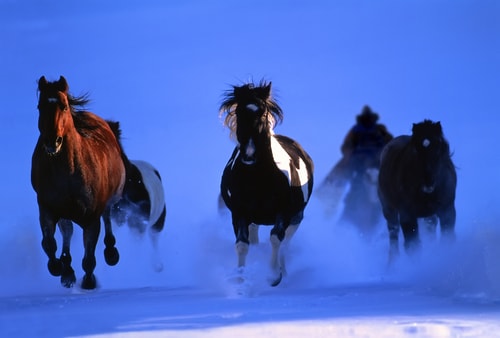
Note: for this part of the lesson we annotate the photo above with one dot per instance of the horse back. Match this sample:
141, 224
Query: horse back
104, 150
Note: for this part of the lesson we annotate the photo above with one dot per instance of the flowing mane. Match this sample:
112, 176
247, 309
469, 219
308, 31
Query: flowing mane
250, 93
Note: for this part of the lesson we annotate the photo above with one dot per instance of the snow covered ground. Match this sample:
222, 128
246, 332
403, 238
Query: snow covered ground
161, 69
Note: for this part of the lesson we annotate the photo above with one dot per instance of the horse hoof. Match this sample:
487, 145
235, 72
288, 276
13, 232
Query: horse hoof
68, 278
111, 256
158, 267
55, 267
276, 281
89, 282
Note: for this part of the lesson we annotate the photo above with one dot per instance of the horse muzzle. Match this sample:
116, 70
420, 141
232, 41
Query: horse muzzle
248, 160
248, 153
54, 148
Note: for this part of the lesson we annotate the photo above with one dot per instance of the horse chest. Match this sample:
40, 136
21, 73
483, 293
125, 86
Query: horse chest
257, 182
64, 188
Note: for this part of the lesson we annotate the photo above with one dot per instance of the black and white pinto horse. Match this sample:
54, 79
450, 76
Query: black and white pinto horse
417, 179
142, 205
268, 179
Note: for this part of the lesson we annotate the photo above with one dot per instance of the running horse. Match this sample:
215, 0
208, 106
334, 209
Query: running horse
77, 173
142, 204
269, 178
417, 179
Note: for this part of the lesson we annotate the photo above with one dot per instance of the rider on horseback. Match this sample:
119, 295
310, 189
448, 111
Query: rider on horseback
361, 147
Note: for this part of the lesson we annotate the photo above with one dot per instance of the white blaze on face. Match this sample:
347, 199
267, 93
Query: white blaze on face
282, 160
426, 142
253, 107
52, 99
250, 148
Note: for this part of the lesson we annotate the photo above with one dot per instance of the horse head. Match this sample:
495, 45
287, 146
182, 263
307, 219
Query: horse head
54, 113
430, 146
251, 114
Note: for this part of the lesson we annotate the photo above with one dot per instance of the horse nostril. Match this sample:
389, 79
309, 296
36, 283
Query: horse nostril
59, 140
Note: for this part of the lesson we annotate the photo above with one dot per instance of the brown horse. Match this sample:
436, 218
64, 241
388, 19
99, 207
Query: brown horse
77, 173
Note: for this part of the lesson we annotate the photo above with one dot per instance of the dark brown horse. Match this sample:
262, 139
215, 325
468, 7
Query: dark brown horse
417, 179
77, 173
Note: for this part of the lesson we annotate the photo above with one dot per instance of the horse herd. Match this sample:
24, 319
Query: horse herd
80, 173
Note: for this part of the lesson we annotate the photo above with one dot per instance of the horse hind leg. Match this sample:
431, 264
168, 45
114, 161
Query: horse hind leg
154, 233
68, 277
111, 254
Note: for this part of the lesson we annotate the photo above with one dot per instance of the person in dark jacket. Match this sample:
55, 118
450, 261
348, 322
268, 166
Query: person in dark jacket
361, 147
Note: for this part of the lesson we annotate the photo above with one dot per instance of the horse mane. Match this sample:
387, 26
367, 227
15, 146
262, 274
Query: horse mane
115, 128
246, 94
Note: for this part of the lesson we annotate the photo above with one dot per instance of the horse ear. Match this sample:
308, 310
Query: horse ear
62, 84
438, 124
268, 89
42, 83
237, 91
264, 91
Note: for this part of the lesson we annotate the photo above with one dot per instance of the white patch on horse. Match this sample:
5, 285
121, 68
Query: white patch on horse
232, 161
154, 187
253, 107
52, 99
283, 160
426, 142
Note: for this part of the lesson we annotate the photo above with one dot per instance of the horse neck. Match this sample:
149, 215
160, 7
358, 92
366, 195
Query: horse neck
263, 145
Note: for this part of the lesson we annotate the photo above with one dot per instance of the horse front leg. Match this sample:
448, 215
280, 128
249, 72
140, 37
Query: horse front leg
68, 277
240, 226
447, 219
392, 218
409, 225
90, 236
48, 226
111, 254
278, 233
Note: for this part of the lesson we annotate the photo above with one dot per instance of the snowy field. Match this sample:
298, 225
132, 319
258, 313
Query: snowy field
161, 69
